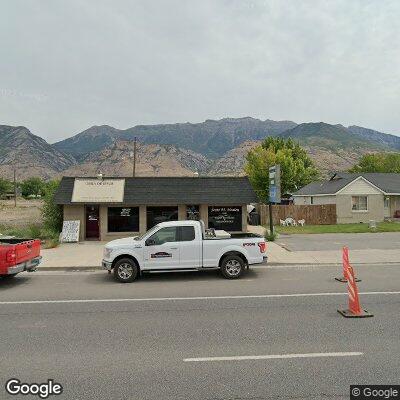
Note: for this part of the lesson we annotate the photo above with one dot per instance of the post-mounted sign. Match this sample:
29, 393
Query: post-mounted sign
98, 191
275, 184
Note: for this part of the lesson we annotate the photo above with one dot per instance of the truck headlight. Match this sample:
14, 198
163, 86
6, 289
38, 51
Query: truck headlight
107, 253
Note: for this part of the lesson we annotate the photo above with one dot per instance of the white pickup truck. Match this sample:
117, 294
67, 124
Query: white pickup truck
183, 245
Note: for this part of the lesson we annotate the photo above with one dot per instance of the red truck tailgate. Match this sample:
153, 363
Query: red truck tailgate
25, 251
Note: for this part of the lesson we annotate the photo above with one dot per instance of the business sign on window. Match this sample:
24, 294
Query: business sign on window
98, 191
226, 218
123, 219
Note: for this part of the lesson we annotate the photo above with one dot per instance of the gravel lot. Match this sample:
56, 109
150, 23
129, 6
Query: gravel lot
27, 212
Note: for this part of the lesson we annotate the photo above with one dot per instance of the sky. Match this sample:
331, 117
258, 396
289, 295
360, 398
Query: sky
69, 64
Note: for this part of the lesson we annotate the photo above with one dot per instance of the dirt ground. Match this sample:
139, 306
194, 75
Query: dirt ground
26, 213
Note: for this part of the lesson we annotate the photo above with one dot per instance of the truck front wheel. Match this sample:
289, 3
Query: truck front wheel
126, 270
232, 267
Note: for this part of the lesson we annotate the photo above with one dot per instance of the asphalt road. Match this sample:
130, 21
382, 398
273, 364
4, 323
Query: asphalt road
146, 340
335, 241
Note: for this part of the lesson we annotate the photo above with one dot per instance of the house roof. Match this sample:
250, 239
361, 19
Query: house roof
388, 183
175, 190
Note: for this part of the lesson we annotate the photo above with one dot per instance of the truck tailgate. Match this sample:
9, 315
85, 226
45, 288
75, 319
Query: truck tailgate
26, 251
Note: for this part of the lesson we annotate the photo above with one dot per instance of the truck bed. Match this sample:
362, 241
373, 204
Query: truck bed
13, 240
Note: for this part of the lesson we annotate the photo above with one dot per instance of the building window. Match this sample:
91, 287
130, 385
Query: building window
359, 203
226, 218
193, 212
155, 215
311, 200
123, 219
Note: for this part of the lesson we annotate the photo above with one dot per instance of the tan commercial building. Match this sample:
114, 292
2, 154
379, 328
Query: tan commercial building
110, 208
358, 197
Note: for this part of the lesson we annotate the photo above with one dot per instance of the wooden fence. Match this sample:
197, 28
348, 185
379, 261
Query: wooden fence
321, 214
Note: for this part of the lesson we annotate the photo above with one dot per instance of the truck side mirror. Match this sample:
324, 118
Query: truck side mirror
150, 242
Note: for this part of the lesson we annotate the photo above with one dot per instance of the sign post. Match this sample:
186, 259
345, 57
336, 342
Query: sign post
274, 191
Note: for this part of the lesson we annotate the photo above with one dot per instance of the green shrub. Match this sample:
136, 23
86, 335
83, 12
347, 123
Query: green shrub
5, 187
34, 231
51, 212
271, 237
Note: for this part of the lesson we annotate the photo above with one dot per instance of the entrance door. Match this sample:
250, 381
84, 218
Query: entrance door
92, 222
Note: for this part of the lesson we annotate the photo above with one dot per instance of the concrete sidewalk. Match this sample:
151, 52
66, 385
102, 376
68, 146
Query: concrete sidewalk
88, 255
83, 255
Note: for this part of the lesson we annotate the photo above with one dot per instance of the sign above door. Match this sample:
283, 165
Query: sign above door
98, 191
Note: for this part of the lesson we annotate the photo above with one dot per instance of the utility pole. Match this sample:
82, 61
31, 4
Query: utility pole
134, 158
15, 186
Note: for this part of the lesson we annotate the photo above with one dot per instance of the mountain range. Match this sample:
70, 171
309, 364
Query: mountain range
214, 147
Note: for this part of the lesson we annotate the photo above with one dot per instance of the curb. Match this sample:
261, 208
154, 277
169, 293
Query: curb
272, 264
76, 268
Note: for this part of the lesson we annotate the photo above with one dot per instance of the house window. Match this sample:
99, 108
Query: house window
311, 200
123, 219
359, 203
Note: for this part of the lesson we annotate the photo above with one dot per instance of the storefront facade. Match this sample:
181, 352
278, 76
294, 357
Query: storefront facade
111, 208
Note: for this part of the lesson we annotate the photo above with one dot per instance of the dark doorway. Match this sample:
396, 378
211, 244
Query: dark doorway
92, 222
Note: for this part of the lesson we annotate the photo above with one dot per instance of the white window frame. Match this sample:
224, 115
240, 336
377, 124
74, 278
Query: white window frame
359, 211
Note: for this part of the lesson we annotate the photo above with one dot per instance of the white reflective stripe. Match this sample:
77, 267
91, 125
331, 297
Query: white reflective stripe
273, 356
126, 300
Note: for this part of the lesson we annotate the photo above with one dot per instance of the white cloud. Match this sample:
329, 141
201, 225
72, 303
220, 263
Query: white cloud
125, 63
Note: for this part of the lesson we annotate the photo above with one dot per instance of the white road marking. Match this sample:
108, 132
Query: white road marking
261, 296
274, 356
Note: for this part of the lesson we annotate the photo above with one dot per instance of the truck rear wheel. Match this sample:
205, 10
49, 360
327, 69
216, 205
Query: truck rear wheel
232, 267
126, 270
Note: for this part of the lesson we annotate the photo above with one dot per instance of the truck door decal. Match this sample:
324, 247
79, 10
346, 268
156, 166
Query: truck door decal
161, 254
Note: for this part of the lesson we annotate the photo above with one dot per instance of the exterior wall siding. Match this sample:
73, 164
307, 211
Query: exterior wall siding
324, 199
360, 187
346, 215
76, 212
306, 200
302, 200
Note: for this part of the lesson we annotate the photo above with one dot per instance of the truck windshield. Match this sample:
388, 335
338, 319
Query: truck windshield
150, 231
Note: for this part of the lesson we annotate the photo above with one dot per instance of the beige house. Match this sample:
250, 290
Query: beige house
358, 197
111, 208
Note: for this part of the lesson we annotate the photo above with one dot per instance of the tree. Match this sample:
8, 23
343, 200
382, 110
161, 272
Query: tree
32, 187
52, 212
5, 187
378, 162
297, 168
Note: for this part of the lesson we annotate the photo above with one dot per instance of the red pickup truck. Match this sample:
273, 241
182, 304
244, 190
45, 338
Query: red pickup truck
17, 255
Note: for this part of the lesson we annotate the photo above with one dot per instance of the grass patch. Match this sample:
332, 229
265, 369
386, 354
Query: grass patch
33, 231
340, 228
